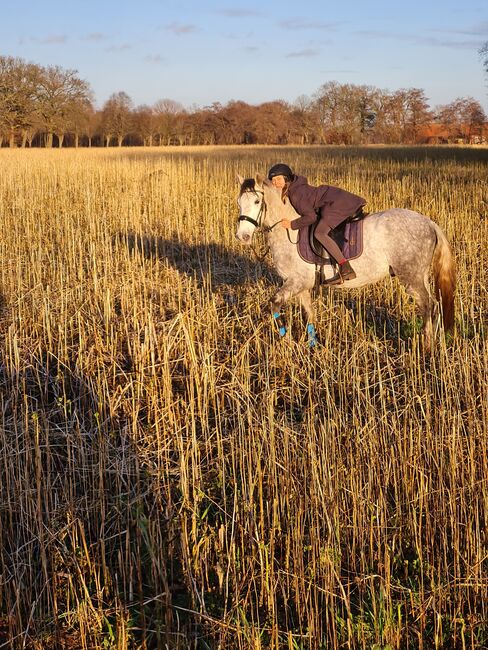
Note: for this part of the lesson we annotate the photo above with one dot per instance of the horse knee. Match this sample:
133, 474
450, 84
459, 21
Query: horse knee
280, 297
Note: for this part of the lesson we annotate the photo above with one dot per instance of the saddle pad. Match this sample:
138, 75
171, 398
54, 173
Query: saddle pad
353, 239
350, 242
305, 250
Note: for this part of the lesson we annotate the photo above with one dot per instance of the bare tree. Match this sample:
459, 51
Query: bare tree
271, 123
168, 115
237, 124
306, 121
17, 97
345, 112
79, 119
116, 118
92, 127
208, 124
145, 124
59, 95
464, 118
483, 52
390, 117
418, 113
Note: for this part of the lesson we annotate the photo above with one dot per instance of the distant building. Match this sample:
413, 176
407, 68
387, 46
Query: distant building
435, 133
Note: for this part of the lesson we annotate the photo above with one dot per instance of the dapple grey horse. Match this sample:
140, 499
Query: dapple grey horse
396, 242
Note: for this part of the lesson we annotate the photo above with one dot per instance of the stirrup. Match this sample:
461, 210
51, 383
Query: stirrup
334, 280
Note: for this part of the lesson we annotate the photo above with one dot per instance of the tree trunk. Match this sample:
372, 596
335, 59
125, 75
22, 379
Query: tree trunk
61, 140
12, 139
77, 140
89, 141
49, 140
119, 140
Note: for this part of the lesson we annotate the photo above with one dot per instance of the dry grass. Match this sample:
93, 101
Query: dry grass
175, 476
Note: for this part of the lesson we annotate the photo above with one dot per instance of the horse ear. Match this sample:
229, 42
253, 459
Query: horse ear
240, 179
260, 179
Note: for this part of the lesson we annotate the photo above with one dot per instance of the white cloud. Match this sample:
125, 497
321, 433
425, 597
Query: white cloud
154, 58
179, 28
239, 13
297, 23
95, 37
119, 48
52, 39
302, 53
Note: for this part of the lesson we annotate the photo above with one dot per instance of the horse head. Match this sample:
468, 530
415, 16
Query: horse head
252, 207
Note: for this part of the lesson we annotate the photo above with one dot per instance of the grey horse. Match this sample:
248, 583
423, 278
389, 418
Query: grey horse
396, 242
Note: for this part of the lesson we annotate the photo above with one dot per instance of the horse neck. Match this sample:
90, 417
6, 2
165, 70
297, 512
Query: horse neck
278, 237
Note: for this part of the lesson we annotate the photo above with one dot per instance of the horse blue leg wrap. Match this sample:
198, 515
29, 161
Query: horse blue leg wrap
279, 321
312, 335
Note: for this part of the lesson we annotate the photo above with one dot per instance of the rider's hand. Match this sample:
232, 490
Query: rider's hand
285, 223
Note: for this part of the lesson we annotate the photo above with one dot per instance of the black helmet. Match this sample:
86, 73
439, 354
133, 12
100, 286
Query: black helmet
280, 170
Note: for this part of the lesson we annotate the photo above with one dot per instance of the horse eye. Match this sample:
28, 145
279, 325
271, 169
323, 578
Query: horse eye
256, 202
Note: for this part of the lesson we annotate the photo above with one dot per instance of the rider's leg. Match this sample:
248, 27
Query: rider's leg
346, 272
322, 234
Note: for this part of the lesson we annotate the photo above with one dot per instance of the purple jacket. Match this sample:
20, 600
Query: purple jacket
333, 204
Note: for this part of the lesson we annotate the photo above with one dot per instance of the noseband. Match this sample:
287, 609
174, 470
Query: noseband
262, 210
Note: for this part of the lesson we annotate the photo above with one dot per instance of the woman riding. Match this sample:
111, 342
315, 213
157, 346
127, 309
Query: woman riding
328, 205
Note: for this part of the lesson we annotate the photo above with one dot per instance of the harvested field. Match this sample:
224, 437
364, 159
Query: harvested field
176, 476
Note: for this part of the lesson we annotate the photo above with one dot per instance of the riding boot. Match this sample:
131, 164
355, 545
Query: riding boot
345, 272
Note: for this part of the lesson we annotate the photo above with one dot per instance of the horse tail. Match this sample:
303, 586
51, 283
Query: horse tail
444, 277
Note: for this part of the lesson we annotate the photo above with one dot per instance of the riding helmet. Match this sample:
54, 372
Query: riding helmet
280, 169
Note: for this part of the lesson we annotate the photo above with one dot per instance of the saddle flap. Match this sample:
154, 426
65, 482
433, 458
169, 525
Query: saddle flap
348, 236
315, 245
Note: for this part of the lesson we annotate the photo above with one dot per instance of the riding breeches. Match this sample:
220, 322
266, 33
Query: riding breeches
322, 231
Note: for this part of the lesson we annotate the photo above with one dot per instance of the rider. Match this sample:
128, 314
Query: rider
328, 204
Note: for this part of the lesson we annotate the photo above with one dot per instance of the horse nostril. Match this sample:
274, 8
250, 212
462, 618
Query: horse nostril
246, 237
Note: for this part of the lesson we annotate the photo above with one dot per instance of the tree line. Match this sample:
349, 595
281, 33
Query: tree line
51, 106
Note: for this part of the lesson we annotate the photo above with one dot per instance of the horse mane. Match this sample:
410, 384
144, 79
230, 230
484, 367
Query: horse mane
248, 185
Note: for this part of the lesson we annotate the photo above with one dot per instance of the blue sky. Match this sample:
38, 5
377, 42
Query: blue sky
200, 52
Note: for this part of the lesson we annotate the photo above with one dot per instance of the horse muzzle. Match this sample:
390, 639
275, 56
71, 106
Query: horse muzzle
244, 230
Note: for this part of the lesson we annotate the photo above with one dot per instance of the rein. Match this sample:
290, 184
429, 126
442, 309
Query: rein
270, 228
290, 239
257, 223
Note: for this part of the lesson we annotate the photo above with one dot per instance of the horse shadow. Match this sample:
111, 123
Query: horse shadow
211, 264
81, 454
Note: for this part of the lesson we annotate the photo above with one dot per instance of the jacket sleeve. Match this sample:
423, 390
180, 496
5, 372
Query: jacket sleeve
304, 201
305, 220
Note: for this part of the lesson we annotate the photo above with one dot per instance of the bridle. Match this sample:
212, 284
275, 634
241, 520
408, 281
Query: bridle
258, 222
262, 211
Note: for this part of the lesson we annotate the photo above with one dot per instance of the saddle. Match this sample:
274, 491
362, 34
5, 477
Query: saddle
348, 236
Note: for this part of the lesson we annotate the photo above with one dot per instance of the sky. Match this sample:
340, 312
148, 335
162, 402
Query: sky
200, 52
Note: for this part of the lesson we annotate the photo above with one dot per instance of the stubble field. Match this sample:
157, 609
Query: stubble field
176, 476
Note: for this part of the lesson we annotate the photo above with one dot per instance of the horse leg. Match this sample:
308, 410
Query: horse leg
421, 294
305, 297
283, 295
276, 304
